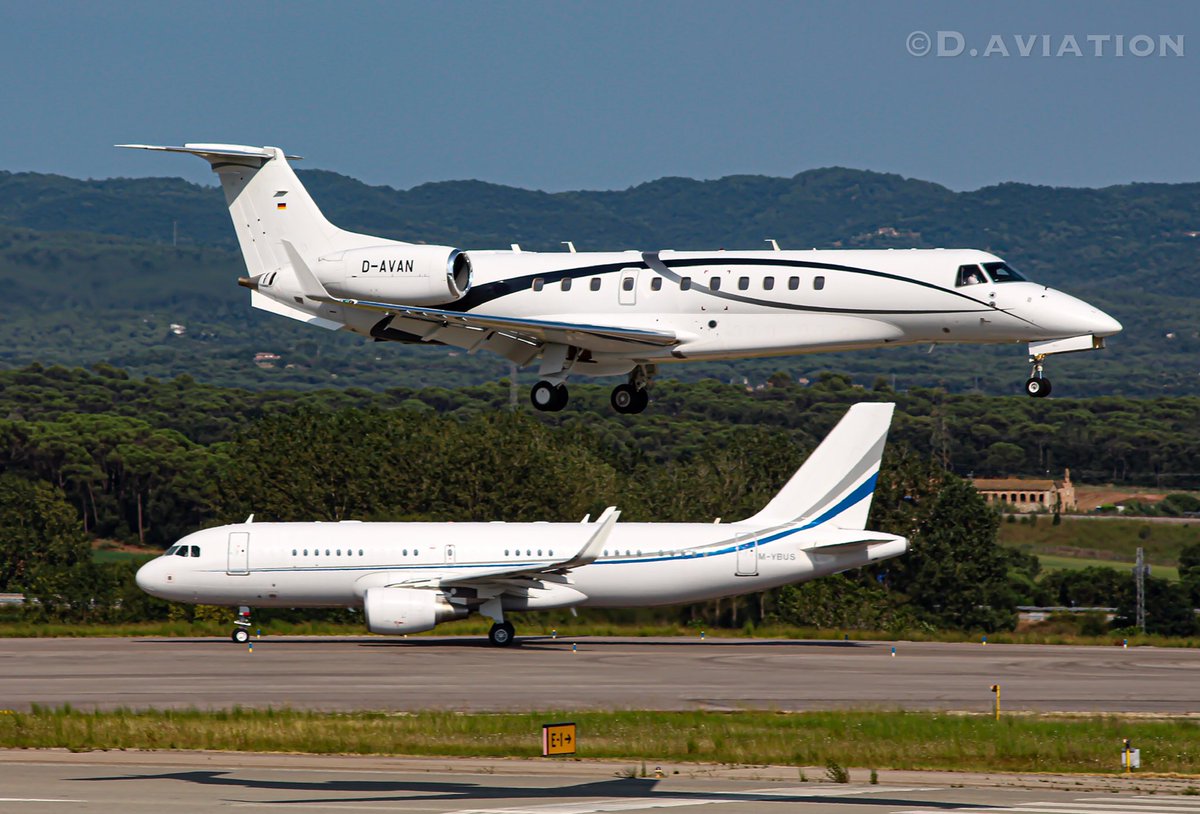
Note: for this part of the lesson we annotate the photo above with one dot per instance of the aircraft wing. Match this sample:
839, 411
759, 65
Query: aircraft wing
578, 334
586, 555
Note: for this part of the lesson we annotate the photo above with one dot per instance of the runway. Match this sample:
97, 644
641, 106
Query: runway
372, 673
56, 782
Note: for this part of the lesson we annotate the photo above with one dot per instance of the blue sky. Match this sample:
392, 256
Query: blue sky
603, 95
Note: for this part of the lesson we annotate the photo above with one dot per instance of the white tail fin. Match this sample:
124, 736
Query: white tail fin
838, 479
269, 205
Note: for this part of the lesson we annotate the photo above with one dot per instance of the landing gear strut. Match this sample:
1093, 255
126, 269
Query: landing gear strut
1037, 386
502, 634
548, 397
632, 397
241, 633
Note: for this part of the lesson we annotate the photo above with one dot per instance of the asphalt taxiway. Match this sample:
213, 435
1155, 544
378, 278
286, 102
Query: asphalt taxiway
132, 783
357, 673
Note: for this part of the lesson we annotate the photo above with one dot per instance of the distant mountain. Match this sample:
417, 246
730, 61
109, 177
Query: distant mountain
92, 263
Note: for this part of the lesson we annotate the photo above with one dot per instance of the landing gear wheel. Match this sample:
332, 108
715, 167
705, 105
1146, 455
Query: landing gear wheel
502, 635
548, 397
240, 635
1038, 387
628, 399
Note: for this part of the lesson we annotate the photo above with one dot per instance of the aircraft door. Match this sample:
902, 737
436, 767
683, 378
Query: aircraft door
627, 292
239, 552
449, 551
747, 557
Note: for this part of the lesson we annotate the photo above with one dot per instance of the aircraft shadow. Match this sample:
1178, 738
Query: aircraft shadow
400, 791
526, 642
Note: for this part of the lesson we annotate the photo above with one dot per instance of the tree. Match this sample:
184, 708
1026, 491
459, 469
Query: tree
39, 530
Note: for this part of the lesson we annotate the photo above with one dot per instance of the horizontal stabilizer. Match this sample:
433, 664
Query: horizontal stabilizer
210, 152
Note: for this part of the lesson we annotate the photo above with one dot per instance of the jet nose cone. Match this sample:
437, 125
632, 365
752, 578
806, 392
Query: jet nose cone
146, 577
1063, 315
1106, 325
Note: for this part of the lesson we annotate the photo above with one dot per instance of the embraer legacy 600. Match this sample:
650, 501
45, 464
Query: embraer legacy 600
616, 313
408, 577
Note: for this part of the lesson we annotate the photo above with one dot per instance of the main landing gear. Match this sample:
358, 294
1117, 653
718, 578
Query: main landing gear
633, 396
1037, 386
502, 634
548, 396
241, 633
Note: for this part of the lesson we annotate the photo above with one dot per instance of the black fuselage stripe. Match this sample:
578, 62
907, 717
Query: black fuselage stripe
489, 292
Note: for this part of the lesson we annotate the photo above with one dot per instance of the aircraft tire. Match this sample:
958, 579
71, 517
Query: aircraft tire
240, 635
547, 397
624, 398
1038, 388
642, 400
502, 635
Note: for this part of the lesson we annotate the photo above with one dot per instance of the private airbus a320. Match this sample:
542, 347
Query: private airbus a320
625, 313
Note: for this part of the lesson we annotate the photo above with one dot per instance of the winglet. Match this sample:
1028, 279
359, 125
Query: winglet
309, 283
591, 550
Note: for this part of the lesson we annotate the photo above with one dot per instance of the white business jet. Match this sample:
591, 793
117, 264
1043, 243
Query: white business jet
408, 577
617, 313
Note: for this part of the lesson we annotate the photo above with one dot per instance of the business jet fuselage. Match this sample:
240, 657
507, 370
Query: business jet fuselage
615, 313
408, 577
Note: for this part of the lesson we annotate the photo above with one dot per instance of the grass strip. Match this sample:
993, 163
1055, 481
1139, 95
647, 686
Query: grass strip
868, 738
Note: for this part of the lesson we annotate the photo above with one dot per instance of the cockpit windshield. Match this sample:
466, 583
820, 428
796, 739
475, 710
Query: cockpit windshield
1003, 273
969, 275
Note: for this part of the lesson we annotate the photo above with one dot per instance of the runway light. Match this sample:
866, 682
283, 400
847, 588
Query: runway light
702, 635
250, 646
985, 638
258, 633
893, 652
574, 649
554, 633
1125, 644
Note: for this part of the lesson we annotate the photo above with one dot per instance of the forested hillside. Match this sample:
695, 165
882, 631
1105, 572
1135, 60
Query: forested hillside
99, 270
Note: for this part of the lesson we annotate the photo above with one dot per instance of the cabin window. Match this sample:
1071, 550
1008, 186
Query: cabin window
969, 275
595, 284
714, 283
1003, 273
818, 283
566, 283
656, 284
793, 283
406, 552
627, 284
293, 552
539, 552
360, 552
339, 552
195, 551
306, 552
685, 283
768, 283
506, 552
181, 551
743, 283
327, 552
538, 283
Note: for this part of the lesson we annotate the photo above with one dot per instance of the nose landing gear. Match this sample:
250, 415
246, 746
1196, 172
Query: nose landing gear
1037, 386
241, 633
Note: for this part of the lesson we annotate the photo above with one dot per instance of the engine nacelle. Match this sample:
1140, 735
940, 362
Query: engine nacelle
404, 273
406, 610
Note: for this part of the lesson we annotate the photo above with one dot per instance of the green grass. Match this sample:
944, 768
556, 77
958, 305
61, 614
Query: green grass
878, 739
1111, 543
1054, 562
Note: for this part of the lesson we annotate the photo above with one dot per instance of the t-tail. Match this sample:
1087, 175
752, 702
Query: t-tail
271, 210
835, 485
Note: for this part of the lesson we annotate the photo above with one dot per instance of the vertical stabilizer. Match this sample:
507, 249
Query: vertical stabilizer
837, 481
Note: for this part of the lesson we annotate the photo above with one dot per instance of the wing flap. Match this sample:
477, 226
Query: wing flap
539, 330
